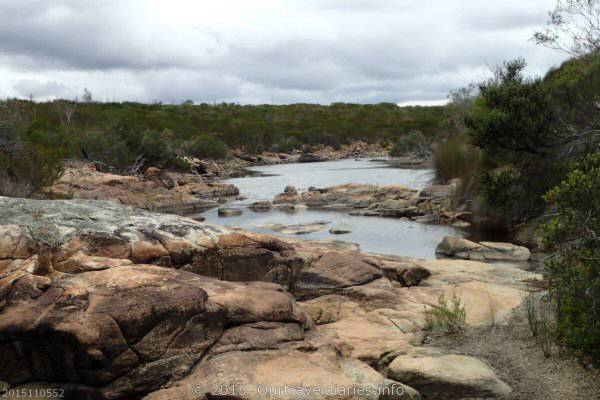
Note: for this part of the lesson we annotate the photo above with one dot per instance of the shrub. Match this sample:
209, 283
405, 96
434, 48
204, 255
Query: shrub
108, 147
573, 269
412, 143
455, 158
156, 147
205, 146
540, 321
446, 318
29, 162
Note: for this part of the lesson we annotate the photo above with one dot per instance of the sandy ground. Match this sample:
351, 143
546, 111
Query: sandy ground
512, 352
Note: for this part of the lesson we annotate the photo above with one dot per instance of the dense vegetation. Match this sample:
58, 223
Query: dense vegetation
118, 133
131, 136
574, 268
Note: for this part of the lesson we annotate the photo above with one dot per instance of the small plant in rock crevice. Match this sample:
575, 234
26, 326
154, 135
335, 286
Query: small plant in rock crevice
448, 317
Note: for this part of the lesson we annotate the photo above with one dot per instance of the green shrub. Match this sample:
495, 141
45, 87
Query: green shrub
574, 268
107, 147
446, 318
412, 143
29, 162
205, 146
288, 145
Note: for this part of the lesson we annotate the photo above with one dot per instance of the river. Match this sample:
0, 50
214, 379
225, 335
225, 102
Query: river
373, 234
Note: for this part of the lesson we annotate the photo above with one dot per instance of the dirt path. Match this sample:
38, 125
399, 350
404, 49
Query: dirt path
521, 363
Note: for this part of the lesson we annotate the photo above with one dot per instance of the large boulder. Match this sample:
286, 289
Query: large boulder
448, 377
334, 271
485, 251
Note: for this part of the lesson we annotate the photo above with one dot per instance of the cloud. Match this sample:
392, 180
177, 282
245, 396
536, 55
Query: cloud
268, 51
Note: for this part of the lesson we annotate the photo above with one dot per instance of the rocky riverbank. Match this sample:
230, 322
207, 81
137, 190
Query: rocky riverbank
154, 190
108, 301
236, 165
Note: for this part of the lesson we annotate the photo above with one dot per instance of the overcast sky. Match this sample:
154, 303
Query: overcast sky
263, 51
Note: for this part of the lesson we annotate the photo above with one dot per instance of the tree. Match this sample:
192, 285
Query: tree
512, 122
573, 27
512, 116
87, 96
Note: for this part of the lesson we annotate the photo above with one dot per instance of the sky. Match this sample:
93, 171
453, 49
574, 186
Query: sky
263, 51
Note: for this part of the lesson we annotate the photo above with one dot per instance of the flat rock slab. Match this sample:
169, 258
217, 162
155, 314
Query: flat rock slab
298, 229
448, 377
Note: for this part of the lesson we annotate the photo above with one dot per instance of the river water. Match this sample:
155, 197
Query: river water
373, 234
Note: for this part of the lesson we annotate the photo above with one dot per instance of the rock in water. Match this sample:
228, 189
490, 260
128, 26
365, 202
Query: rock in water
485, 251
339, 231
263, 205
229, 212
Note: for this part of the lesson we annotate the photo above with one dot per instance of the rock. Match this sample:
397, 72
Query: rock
406, 273
373, 199
230, 212
289, 196
310, 157
156, 190
462, 248
293, 374
290, 190
448, 377
98, 332
298, 229
259, 206
334, 271
339, 231
329, 308
461, 224
437, 191
153, 171
210, 304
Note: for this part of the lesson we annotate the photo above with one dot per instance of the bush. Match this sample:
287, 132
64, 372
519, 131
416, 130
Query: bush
446, 318
455, 158
206, 146
412, 143
573, 269
109, 148
288, 145
540, 321
29, 162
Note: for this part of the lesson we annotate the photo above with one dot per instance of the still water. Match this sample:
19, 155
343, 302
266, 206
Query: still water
373, 234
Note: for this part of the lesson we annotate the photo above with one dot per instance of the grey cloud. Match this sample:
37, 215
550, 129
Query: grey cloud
36, 88
280, 52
